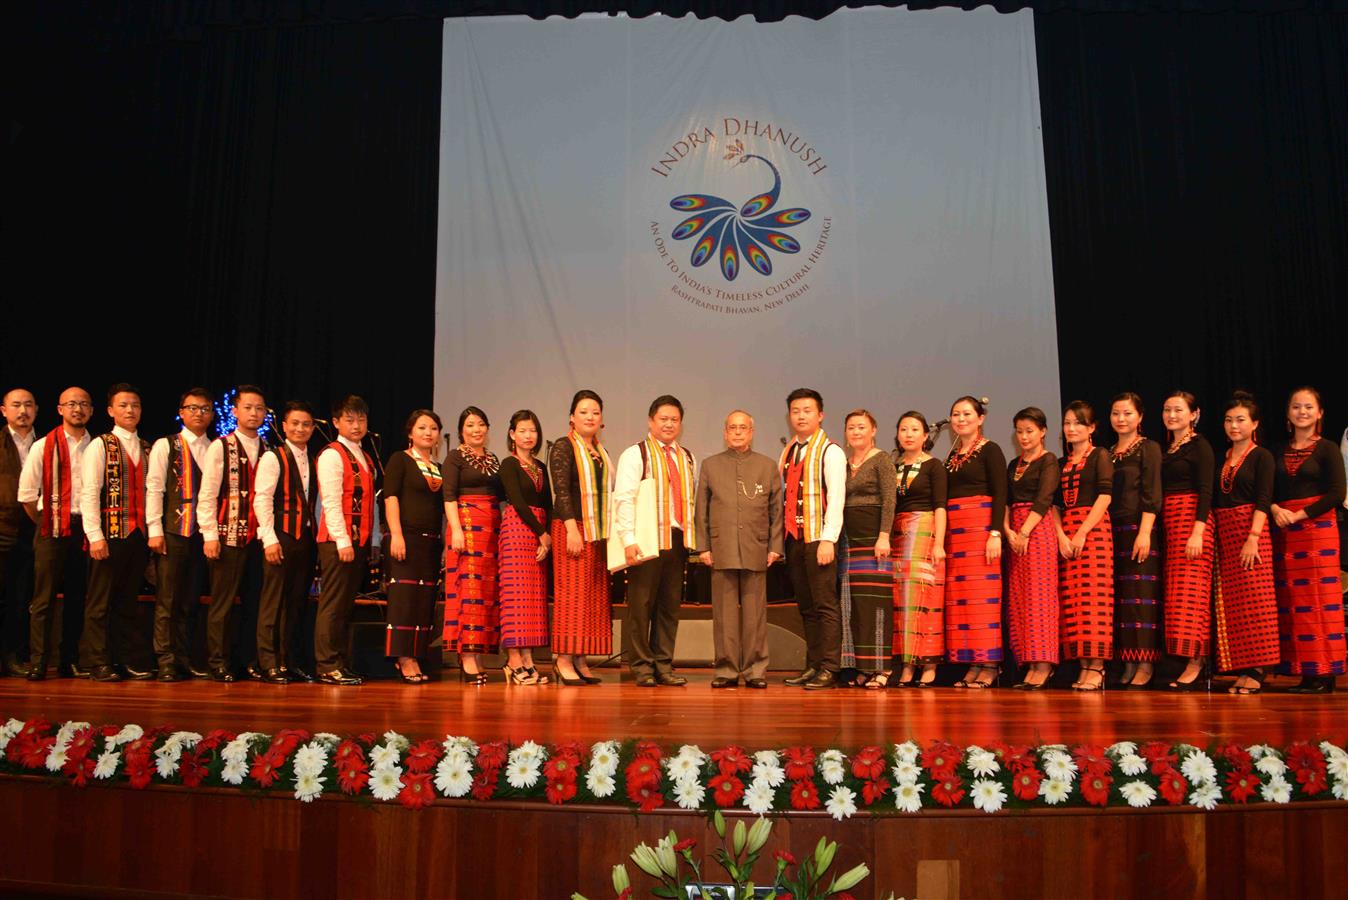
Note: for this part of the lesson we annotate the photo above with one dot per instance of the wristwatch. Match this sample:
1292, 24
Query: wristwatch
994, 533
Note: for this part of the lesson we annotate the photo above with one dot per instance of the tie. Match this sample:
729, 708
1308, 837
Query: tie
675, 484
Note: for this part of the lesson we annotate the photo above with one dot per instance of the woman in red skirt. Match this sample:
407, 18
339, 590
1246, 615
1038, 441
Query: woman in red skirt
1086, 573
472, 490
1188, 473
1137, 561
1032, 583
918, 546
582, 479
1245, 608
525, 544
1309, 487
975, 510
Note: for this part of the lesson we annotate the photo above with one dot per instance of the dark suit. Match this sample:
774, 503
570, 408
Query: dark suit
16, 553
739, 519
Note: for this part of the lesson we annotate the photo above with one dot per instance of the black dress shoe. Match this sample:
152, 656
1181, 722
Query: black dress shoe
295, 673
340, 678
722, 682
589, 679
822, 681
254, 672
199, 674
756, 683
275, 676
1314, 685
222, 675
169, 673
647, 681
133, 674
805, 677
669, 679
104, 674
15, 668
37, 672
71, 670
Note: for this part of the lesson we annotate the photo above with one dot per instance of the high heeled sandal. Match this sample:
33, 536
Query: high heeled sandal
979, 684
1091, 688
1255, 675
537, 676
474, 678
878, 681
923, 681
516, 675
1198, 683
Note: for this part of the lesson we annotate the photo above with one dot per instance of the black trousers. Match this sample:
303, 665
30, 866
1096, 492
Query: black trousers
231, 634
59, 567
816, 590
285, 588
336, 600
16, 590
112, 632
177, 599
654, 595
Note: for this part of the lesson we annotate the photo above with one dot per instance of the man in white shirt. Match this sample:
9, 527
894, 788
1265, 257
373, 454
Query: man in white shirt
655, 586
112, 503
171, 488
16, 532
346, 493
814, 472
283, 500
229, 535
49, 490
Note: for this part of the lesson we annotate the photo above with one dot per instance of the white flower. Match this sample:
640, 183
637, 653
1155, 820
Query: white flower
832, 771
1131, 764
1277, 790
394, 739
458, 756
767, 757
528, 752
522, 775
233, 772
1340, 790
308, 786
604, 758
237, 749
693, 751
982, 762
457, 742
906, 771
386, 782
1054, 791
129, 733
383, 756
758, 797
1121, 748
831, 755
166, 764
1199, 768
1138, 793
1337, 766
1059, 766
1326, 748
188, 739
1271, 765
688, 794
1259, 751
601, 783
107, 765
908, 797
682, 768
907, 751
1206, 796
769, 772
452, 777
56, 757
842, 803
310, 759
988, 795
67, 731
14, 726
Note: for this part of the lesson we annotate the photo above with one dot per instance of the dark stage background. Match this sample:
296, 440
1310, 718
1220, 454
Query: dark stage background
229, 191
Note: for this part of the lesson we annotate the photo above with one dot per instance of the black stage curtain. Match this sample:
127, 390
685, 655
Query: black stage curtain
222, 191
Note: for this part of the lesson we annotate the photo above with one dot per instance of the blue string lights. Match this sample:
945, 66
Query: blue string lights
226, 423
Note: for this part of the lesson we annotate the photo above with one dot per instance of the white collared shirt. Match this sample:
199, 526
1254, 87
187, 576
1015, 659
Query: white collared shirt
212, 473
264, 490
23, 443
835, 486
156, 476
30, 479
93, 468
625, 485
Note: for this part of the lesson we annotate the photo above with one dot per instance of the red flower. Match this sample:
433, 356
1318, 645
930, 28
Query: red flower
571, 751
110, 730
138, 775
191, 769
726, 789
31, 752
422, 756
491, 755
1025, 783
873, 789
784, 856
1095, 789
214, 739
948, 791
484, 783
1173, 786
1302, 755
799, 762
417, 791
869, 762
685, 844
1091, 759
626, 893
1159, 754
347, 751
353, 775
560, 768
940, 759
804, 795
1241, 784
1312, 782
80, 772
1236, 756
647, 797
732, 759
642, 772
80, 745
649, 750
264, 769
561, 789
844, 896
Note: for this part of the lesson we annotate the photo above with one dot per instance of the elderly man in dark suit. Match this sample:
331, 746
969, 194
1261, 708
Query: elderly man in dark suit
739, 520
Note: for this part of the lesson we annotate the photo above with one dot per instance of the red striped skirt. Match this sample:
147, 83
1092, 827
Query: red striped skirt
524, 583
581, 619
1187, 582
1310, 607
973, 586
472, 610
1032, 592
1086, 590
919, 590
1245, 604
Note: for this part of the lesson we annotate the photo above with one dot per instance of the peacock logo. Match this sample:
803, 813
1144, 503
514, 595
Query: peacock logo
746, 233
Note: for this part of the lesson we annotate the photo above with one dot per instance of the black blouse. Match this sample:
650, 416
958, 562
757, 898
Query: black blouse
1093, 479
982, 475
1253, 483
1191, 469
521, 493
926, 491
566, 480
419, 508
463, 479
1036, 484
1137, 482
1320, 474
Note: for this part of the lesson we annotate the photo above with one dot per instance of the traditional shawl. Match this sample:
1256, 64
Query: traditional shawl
56, 499
657, 465
594, 491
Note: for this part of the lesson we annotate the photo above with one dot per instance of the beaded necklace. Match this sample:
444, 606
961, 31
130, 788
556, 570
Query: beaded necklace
1229, 470
957, 458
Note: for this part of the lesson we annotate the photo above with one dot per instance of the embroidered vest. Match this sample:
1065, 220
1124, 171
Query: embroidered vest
57, 502
357, 497
806, 493
292, 509
123, 494
234, 513
180, 493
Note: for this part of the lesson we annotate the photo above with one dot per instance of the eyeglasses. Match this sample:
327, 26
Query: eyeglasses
194, 408
77, 404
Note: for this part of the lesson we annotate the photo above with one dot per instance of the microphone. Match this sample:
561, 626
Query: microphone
936, 426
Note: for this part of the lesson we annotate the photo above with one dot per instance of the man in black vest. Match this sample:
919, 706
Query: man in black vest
16, 532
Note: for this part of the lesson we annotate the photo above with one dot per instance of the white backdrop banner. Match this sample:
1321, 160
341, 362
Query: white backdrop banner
725, 211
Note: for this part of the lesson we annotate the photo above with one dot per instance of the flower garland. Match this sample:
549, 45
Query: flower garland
903, 778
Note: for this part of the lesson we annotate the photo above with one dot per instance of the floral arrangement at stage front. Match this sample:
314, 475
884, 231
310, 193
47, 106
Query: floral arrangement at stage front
892, 779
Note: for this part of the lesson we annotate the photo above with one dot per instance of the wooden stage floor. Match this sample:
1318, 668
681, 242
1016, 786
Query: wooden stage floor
693, 714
